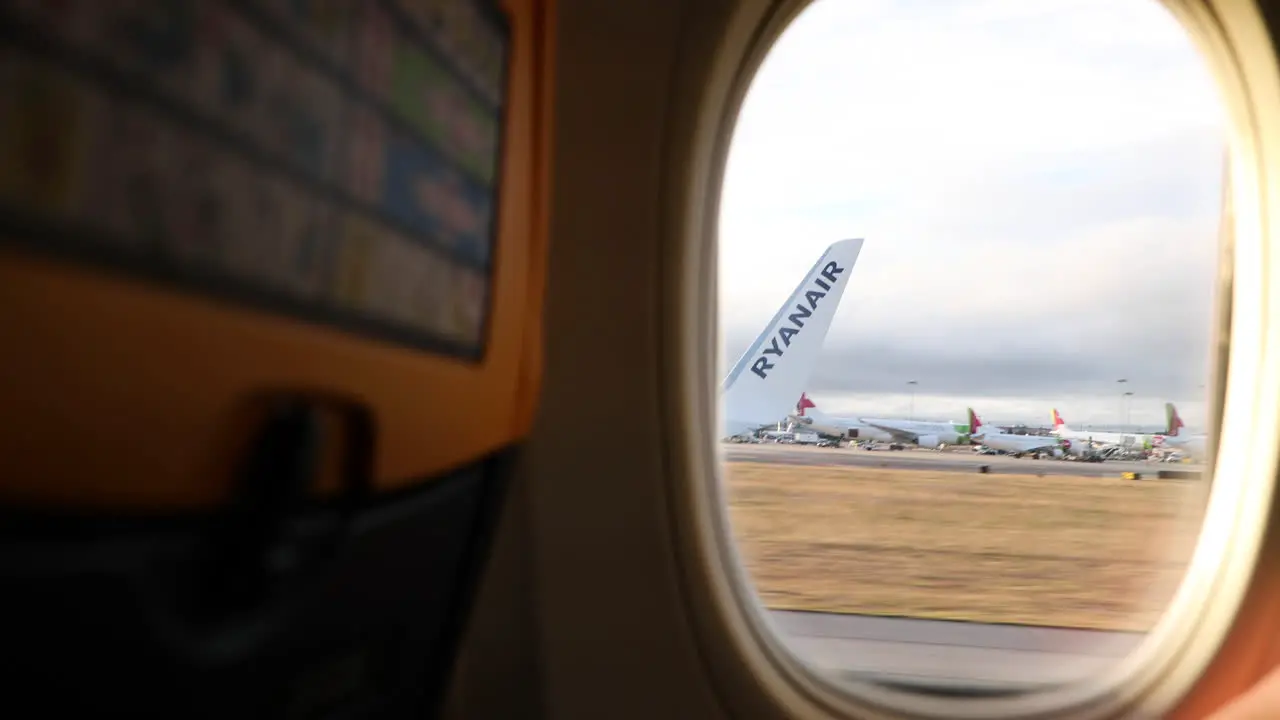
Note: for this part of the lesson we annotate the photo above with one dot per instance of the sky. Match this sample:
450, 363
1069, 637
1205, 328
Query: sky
1038, 185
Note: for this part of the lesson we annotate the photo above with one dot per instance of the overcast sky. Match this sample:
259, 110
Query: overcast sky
1038, 184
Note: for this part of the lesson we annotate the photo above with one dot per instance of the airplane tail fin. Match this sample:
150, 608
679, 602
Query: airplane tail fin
807, 412
1172, 421
765, 382
974, 422
804, 404
1058, 422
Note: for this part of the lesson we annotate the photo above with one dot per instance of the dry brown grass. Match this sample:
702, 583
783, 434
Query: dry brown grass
1055, 550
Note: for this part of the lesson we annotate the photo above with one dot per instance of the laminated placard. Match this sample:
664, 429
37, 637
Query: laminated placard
336, 163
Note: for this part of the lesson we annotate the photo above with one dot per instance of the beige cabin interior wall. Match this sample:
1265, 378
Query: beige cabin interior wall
582, 594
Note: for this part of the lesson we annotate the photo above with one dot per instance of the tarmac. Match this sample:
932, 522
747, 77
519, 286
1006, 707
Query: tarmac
960, 459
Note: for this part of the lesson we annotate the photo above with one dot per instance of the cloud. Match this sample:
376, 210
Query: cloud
854, 101
1038, 184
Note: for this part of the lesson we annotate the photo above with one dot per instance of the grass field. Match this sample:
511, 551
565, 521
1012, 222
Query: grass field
1055, 550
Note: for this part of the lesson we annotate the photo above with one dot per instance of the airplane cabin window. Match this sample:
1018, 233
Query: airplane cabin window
968, 259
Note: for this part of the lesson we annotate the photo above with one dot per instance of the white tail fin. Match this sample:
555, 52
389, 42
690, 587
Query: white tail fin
763, 386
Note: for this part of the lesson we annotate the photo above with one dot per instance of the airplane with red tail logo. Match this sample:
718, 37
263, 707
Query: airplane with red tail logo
1016, 445
808, 415
1172, 438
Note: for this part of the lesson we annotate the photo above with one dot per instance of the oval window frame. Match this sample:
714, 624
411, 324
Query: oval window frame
750, 664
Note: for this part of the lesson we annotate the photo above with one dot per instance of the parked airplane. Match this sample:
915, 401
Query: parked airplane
921, 432
763, 385
1193, 445
1128, 441
808, 415
1015, 444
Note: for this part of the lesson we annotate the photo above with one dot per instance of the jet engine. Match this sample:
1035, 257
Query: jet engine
927, 441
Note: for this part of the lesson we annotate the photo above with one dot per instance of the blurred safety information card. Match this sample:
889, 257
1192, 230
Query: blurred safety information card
336, 162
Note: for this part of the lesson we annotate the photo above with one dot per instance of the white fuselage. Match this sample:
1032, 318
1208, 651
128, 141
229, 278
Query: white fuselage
1019, 443
918, 431
1136, 441
846, 428
1194, 445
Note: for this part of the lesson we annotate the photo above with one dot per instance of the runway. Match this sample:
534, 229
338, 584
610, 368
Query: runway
941, 653
942, 460
949, 654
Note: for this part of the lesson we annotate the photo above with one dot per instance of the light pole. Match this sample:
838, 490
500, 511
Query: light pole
913, 384
1120, 415
1127, 407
